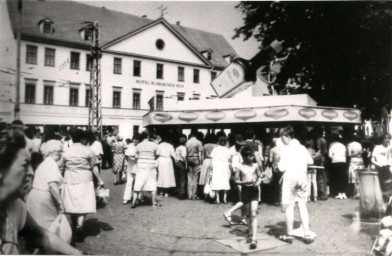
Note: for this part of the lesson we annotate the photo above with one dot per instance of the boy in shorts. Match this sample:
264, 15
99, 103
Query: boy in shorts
249, 176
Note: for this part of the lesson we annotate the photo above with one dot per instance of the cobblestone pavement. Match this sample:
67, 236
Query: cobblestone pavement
183, 227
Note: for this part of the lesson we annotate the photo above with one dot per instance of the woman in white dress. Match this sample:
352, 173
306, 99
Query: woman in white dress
220, 156
166, 177
79, 193
44, 201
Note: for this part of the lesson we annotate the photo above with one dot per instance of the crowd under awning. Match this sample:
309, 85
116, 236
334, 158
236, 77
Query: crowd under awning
268, 109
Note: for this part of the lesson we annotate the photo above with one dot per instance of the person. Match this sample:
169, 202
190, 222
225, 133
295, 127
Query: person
355, 151
14, 169
44, 201
194, 149
18, 125
210, 144
380, 164
220, 166
146, 175
118, 159
322, 177
274, 158
166, 177
130, 154
95, 146
312, 170
249, 176
293, 163
338, 171
180, 165
36, 156
78, 193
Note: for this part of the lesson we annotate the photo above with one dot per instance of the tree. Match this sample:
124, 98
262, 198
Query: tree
341, 50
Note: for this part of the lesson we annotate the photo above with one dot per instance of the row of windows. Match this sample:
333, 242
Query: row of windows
31, 58
74, 97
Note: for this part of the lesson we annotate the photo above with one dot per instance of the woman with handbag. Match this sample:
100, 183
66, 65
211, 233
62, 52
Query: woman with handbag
44, 201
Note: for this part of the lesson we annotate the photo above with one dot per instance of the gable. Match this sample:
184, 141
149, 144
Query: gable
145, 43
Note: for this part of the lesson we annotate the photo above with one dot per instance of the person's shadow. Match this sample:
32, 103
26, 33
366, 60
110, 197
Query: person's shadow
92, 227
279, 228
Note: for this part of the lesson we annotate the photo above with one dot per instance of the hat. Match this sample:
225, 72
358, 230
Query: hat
51, 146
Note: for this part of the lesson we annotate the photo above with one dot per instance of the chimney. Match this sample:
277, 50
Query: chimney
178, 23
144, 16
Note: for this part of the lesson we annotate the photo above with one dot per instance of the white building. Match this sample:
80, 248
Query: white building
141, 59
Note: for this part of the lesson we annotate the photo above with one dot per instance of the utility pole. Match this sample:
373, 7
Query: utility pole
95, 107
18, 39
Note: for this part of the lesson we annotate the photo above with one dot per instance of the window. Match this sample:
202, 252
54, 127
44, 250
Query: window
117, 66
159, 102
47, 28
49, 57
213, 75
135, 129
137, 66
209, 55
116, 99
75, 60
181, 71
136, 100
48, 95
31, 54
196, 96
74, 97
159, 71
180, 96
30, 93
88, 35
87, 100
89, 62
196, 74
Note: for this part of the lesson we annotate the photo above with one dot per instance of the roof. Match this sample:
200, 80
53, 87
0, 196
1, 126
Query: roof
68, 18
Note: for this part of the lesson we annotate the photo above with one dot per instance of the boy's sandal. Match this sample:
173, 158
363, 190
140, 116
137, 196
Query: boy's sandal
286, 238
253, 245
308, 239
156, 205
133, 205
228, 218
244, 222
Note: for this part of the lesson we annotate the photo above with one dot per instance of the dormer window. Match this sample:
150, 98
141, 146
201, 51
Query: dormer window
46, 26
229, 58
86, 34
207, 54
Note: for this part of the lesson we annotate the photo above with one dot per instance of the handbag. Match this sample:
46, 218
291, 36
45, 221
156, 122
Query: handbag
208, 188
60, 226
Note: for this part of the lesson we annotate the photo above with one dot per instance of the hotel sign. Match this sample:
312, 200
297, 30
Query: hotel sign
159, 83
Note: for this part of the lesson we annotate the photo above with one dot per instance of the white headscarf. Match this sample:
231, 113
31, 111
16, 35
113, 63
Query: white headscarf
51, 146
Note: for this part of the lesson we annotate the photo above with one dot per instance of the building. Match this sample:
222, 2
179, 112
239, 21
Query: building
144, 63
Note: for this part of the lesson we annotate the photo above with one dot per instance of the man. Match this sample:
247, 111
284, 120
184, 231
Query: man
146, 175
293, 163
194, 150
322, 178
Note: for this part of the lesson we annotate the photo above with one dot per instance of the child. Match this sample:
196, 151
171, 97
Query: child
250, 177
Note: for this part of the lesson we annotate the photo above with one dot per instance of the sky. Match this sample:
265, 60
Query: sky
218, 17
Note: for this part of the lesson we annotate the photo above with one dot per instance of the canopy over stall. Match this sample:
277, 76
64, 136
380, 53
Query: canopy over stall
268, 109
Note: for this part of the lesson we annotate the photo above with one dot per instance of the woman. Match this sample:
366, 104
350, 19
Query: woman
338, 172
130, 153
166, 178
380, 163
220, 163
79, 193
355, 152
14, 169
210, 144
44, 201
118, 159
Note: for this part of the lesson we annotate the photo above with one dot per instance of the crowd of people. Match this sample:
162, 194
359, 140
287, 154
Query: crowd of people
59, 174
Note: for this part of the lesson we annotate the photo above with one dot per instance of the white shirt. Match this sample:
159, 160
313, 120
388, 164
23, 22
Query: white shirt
354, 149
96, 147
380, 153
337, 152
294, 160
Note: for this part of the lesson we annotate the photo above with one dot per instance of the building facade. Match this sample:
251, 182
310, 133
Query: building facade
145, 64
